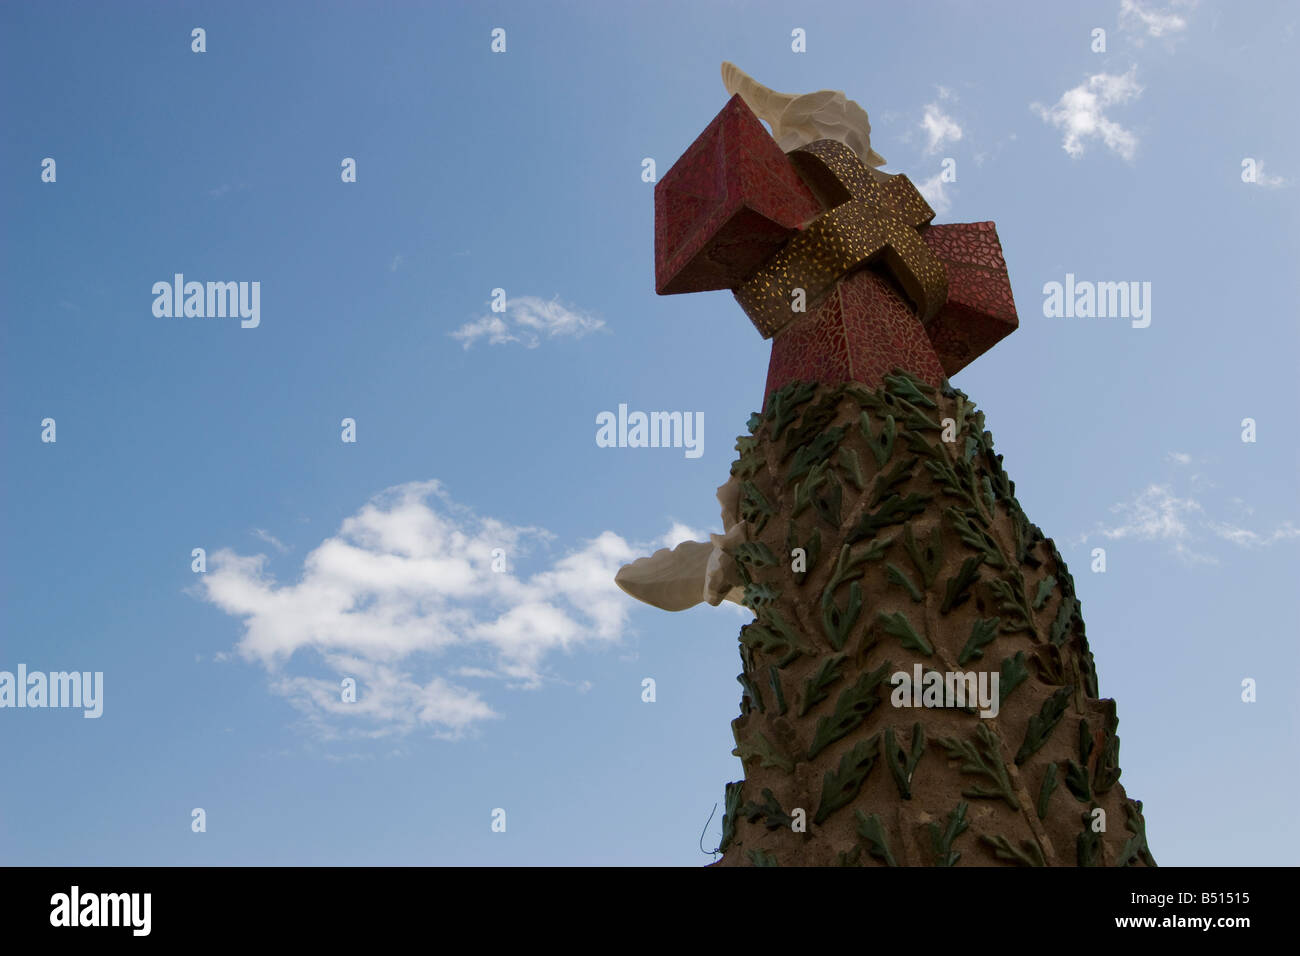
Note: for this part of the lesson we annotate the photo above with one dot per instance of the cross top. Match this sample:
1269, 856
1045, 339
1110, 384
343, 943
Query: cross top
880, 286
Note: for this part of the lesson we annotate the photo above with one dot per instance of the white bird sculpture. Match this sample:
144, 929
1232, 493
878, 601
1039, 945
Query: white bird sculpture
798, 119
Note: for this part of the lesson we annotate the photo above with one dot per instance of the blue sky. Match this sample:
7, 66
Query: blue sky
522, 170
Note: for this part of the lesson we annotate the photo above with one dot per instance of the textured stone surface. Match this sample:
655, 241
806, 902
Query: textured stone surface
858, 333
729, 204
917, 554
980, 310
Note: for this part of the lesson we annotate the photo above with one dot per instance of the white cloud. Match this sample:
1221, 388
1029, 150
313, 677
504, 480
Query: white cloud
1287, 531
1135, 16
403, 598
1157, 514
527, 320
1179, 458
270, 539
935, 191
940, 128
396, 262
679, 533
1080, 113
1266, 180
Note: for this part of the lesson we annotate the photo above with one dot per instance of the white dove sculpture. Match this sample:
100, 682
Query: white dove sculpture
798, 119
692, 572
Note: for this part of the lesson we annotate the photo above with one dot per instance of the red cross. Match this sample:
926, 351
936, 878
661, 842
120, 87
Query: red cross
734, 201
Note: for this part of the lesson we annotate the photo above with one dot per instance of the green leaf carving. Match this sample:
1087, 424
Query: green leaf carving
894, 510
942, 840
851, 708
1028, 854
757, 745
896, 576
731, 805
871, 829
957, 589
898, 625
827, 673
901, 764
1045, 589
1046, 790
883, 446
983, 758
889, 482
1044, 722
774, 818
852, 467
774, 678
926, 559
982, 632
1011, 675
841, 787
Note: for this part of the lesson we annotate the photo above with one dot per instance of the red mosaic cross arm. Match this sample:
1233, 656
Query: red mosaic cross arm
733, 204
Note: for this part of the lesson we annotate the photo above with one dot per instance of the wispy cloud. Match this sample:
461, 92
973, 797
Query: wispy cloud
1157, 514
396, 262
935, 191
1080, 113
270, 539
526, 321
940, 128
404, 599
1179, 458
1267, 180
1153, 21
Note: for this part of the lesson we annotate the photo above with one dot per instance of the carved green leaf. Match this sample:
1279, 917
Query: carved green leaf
902, 765
983, 758
754, 554
957, 590
827, 673
773, 817
841, 787
757, 745
982, 632
1027, 854
783, 406
1045, 589
814, 453
761, 857
926, 559
976, 537
871, 829
755, 509
852, 467
1046, 790
731, 811
896, 576
887, 483
1064, 615
894, 510
883, 446
851, 708
941, 840
774, 678
899, 626
1044, 722
1011, 675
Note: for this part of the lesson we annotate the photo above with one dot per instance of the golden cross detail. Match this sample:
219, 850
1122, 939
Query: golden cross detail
864, 221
